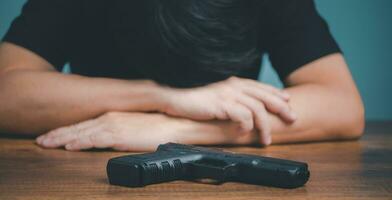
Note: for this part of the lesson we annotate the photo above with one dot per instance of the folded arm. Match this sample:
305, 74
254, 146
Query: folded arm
323, 95
325, 99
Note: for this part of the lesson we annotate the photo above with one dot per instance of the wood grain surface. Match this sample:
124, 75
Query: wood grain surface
339, 170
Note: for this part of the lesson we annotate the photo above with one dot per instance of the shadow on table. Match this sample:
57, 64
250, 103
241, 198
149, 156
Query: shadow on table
16, 136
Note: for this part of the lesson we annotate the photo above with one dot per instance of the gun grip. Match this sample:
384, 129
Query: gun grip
127, 172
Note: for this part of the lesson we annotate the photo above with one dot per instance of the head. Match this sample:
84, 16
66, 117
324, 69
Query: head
218, 34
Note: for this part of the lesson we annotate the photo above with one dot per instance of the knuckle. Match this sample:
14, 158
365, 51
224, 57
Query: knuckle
261, 105
260, 113
221, 114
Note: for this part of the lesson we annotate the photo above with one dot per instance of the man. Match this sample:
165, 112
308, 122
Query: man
151, 71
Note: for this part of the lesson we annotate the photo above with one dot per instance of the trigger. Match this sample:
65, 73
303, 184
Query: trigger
216, 173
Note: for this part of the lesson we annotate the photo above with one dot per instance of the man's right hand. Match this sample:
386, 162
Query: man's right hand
244, 101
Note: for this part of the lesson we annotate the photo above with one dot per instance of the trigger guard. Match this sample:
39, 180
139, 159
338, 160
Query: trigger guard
220, 174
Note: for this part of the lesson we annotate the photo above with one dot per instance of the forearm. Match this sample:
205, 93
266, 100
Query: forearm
322, 94
133, 131
215, 132
38, 101
324, 113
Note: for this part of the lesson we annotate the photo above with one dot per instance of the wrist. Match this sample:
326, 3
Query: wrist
164, 98
169, 98
150, 96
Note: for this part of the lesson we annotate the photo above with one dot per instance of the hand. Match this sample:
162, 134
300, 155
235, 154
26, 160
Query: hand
120, 131
241, 100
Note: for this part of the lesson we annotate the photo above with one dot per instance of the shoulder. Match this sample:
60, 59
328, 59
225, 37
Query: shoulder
279, 12
296, 35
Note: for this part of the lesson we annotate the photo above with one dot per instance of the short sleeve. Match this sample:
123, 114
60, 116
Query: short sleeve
45, 28
298, 35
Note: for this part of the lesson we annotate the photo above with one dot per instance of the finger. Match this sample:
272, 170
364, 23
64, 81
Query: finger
241, 114
96, 138
66, 138
278, 92
52, 139
272, 103
61, 136
66, 129
261, 118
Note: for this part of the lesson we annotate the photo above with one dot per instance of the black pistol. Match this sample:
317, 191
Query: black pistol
173, 161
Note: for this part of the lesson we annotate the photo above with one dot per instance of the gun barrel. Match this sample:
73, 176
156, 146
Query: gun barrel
273, 172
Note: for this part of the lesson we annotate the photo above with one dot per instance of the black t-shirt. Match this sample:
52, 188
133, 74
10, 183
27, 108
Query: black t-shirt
103, 38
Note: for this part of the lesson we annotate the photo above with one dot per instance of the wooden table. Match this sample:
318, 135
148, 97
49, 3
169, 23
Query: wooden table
339, 170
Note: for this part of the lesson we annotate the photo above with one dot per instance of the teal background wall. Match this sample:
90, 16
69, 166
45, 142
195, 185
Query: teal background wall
363, 28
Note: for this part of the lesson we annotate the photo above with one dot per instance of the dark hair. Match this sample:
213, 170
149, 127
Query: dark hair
219, 34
